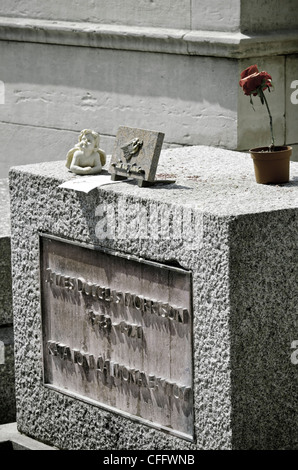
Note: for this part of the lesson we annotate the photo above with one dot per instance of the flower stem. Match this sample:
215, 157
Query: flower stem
270, 117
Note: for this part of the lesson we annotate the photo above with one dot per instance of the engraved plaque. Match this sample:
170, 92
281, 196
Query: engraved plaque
117, 332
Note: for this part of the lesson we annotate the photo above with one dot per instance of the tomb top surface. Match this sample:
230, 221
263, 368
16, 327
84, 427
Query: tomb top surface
209, 179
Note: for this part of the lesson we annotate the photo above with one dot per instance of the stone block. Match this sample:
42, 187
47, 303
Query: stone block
12, 439
214, 15
261, 15
232, 15
239, 241
7, 380
158, 13
5, 257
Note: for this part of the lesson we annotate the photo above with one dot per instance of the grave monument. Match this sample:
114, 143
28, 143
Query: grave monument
157, 317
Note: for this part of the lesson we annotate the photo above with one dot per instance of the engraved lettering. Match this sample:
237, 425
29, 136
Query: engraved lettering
151, 381
162, 309
108, 295
125, 374
127, 299
100, 292
185, 315
171, 313
148, 306
99, 363
138, 302
136, 331
87, 288
52, 348
104, 322
78, 357
80, 284
91, 361
63, 351
48, 273
176, 391
94, 290
111, 370
155, 308
118, 297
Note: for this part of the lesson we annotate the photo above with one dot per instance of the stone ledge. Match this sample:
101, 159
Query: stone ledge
12, 439
214, 180
148, 39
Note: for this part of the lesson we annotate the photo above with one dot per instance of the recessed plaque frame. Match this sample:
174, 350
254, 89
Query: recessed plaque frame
117, 333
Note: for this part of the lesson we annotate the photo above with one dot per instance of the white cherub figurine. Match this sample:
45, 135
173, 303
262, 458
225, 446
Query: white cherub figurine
86, 158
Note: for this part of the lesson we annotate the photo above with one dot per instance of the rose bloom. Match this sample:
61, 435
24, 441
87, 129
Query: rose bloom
251, 79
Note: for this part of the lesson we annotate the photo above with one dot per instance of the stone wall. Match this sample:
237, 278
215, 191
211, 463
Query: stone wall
171, 66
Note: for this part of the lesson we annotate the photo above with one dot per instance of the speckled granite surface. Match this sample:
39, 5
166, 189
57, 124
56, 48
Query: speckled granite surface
5, 263
7, 380
240, 243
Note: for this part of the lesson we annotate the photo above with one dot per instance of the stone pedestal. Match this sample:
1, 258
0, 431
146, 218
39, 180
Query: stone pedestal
7, 381
167, 65
235, 240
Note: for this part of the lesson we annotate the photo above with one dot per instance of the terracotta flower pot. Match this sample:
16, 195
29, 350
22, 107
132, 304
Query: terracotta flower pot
272, 166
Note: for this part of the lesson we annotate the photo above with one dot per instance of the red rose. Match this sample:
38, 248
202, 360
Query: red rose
254, 83
250, 83
251, 69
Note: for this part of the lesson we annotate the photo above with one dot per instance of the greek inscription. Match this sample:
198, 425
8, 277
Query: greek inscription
104, 323
117, 331
115, 373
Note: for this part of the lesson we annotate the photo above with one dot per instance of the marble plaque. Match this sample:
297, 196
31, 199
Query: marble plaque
136, 154
117, 333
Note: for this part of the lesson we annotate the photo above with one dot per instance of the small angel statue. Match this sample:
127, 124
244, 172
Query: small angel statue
86, 158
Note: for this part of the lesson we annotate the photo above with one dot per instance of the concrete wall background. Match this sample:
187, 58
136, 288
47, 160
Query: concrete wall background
47, 104
219, 15
157, 13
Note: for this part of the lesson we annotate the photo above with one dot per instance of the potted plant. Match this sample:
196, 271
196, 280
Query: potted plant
272, 163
